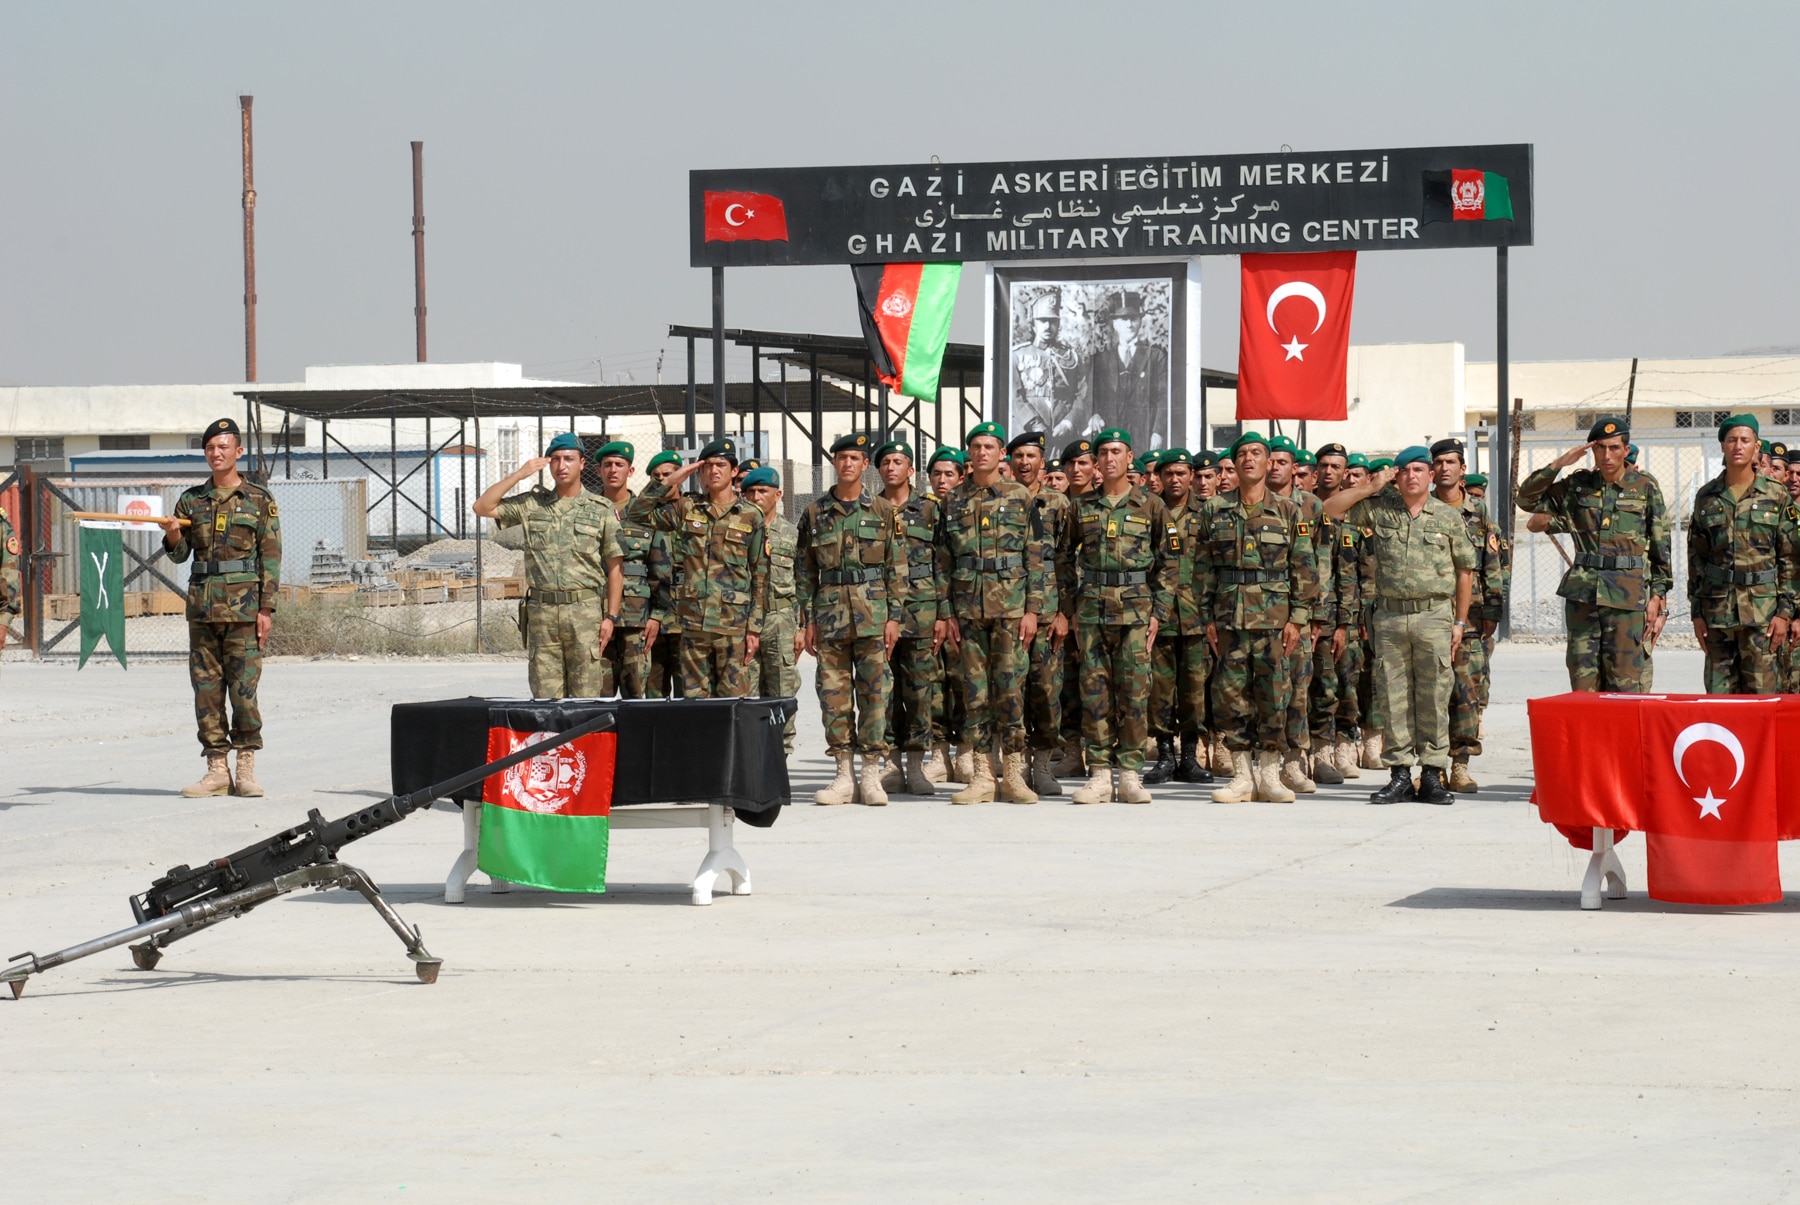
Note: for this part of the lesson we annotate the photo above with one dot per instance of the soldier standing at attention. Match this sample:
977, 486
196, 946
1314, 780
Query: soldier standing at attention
777, 676
574, 576
1182, 660
1044, 677
662, 631
1373, 718
1228, 474
1336, 661
1743, 567
234, 538
1284, 464
852, 586
1424, 576
944, 472
11, 597
1070, 762
1489, 598
917, 673
628, 652
1055, 477
724, 572
1117, 588
990, 581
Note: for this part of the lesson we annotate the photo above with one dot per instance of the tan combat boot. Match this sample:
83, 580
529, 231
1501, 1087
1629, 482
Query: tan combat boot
1242, 787
869, 787
1042, 779
981, 786
1346, 758
1269, 787
1099, 787
216, 780
1459, 775
962, 768
937, 766
842, 789
1293, 773
1014, 787
1324, 767
917, 781
1131, 787
246, 784
1371, 751
1223, 760
893, 774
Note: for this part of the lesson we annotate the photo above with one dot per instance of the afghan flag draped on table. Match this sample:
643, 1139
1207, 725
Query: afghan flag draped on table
905, 311
546, 822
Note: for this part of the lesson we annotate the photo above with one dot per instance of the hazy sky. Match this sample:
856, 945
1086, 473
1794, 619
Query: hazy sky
558, 138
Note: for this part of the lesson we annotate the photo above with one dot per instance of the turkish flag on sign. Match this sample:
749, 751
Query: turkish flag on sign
1294, 335
737, 216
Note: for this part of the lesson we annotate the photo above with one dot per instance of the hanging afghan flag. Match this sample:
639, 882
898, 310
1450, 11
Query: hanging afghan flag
545, 822
1466, 196
102, 591
905, 310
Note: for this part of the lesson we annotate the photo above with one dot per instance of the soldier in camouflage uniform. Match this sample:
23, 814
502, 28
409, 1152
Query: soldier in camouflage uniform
574, 577
234, 539
1743, 567
990, 582
1181, 662
1258, 586
1471, 664
662, 631
628, 652
1476, 485
1044, 678
851, 579
1284, 466
724, 572
778, 676
1789, 658
1116, 586
12, 598
945, 472
1337, 660
1070, 761
1373, 716
917, 671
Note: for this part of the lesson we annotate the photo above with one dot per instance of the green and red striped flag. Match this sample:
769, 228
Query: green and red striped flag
905, 310
546, 822
1470, 195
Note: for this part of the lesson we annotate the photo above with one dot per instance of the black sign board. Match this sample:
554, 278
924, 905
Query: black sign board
1410, 198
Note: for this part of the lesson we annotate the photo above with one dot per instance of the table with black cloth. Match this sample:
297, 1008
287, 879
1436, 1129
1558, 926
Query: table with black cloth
681, 763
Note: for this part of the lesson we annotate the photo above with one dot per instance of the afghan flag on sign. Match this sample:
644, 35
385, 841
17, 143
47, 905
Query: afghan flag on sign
905, 310
546, 822
1466, 196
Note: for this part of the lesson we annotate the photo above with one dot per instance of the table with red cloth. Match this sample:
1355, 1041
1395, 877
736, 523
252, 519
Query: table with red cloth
1697, 774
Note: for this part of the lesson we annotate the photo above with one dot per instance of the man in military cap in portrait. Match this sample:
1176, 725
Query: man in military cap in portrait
233, 537
776, 654
1047, 387
1130, 379
1044, 678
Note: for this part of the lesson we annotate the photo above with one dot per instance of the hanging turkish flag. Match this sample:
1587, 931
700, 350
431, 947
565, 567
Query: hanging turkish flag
737, 216
1294, 335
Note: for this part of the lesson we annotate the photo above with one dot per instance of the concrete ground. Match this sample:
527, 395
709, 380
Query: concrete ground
1322, 1000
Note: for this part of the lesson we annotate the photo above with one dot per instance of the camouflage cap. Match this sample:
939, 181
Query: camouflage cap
1607, 426
662, 458
725, 449
1246, 439
892, 446
1026, 439
1174, 456
991, 429
1739, 420
617, 447
855, 441
1112, 435
1078, 449
568, 441
1417, 454
762, 476
955, 456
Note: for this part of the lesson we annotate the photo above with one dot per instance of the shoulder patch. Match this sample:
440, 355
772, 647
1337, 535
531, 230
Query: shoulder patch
1493, 542
1303, 527
274, 511
12, 545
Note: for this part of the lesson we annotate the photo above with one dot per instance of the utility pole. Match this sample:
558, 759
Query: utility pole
418, 156
244, 103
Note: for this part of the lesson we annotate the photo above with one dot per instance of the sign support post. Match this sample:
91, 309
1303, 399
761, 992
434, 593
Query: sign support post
1502, 475
718, 275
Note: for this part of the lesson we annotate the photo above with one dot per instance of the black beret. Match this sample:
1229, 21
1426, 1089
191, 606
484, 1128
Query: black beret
1053, 466
220, 426
1332, 450
1078, 449
856, 441
726, 448
1027, 439
1444, 447
1607, 426
1206, 460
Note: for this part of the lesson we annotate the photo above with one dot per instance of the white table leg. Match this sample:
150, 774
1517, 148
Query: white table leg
721, 857
464, 866
1605, 878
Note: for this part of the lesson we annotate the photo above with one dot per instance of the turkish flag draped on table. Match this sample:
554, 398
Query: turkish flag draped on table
1697, 774
1294, 335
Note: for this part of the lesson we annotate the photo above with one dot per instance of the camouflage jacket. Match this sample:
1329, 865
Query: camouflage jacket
1053, 513
1114, 564
235, 543
568, 541
724, 572
665, 580
1621, 535
1346, 573
1743, 563
1487, 593
1257, 569
852, 566
990, 554
1414, 558
637, 599
1187, 543
916, 522
11, 596
784, 555
1320, 527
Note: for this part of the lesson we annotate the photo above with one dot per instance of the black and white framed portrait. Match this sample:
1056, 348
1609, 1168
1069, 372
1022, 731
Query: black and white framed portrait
1076, 349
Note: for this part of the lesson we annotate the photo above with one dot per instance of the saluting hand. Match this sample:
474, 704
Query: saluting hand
1572, 455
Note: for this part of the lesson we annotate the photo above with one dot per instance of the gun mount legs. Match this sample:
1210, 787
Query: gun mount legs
424, 965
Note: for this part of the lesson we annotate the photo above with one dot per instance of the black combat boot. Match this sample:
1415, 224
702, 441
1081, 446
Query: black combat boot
1191, 769
1164, 769
1431, 786
1399, 788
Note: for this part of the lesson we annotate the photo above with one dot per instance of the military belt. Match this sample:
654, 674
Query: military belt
848, 577
1594, 560
215, 568
1409, 606
1107, 577
1739, 577
990, 564
636, 569
1251, 577
557, 598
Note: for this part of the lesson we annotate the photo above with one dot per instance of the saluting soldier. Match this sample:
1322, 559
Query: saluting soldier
1117, 589
944, 472
917, 672
1044, 675
11, 596
1743, 567
777, 675
1615, 590
234, 539
724, 570
1284, 468
1181, 660
1424, 579
628, 652
1258, 586
662, 631
990, 583
1471, 664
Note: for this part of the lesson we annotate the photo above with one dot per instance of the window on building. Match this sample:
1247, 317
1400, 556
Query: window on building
1782, 417
1700, 420
38, 447
124, 443
1223, 437
508, 450
1585, 419
1527, 420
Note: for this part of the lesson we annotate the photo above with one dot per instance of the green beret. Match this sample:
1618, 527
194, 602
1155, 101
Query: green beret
661, 458
1631, 454
1417, 454
1281, 443
1380, 463
855, 441
1078, 449
724, 448
1356, 460
751, 465
1607, 426
979, 429
1302, 456
762, 476
1026, 439
1476, 479
1174, 456
1144, 462
1246, 439
220, 426
567, 440
1739, 420
893, 445
617, 447
1206, 460
955, 456
1112, 435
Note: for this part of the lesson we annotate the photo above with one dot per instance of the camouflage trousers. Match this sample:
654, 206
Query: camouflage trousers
1115, 693
1487, 679
716, 665
1250, 690
1071, 690
1605, 648
562, 645
854, 684
777, 675
1374, 710
1413, 678
1739, 661
665, 666
1470, 666
947, 702
1179, 668
628, 657
225, 663
1787, 667
1044, 692
1299, 691
993, 681
1347, 717
1322, 701
912, 719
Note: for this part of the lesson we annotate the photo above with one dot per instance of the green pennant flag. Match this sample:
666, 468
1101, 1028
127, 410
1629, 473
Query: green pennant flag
102, 591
